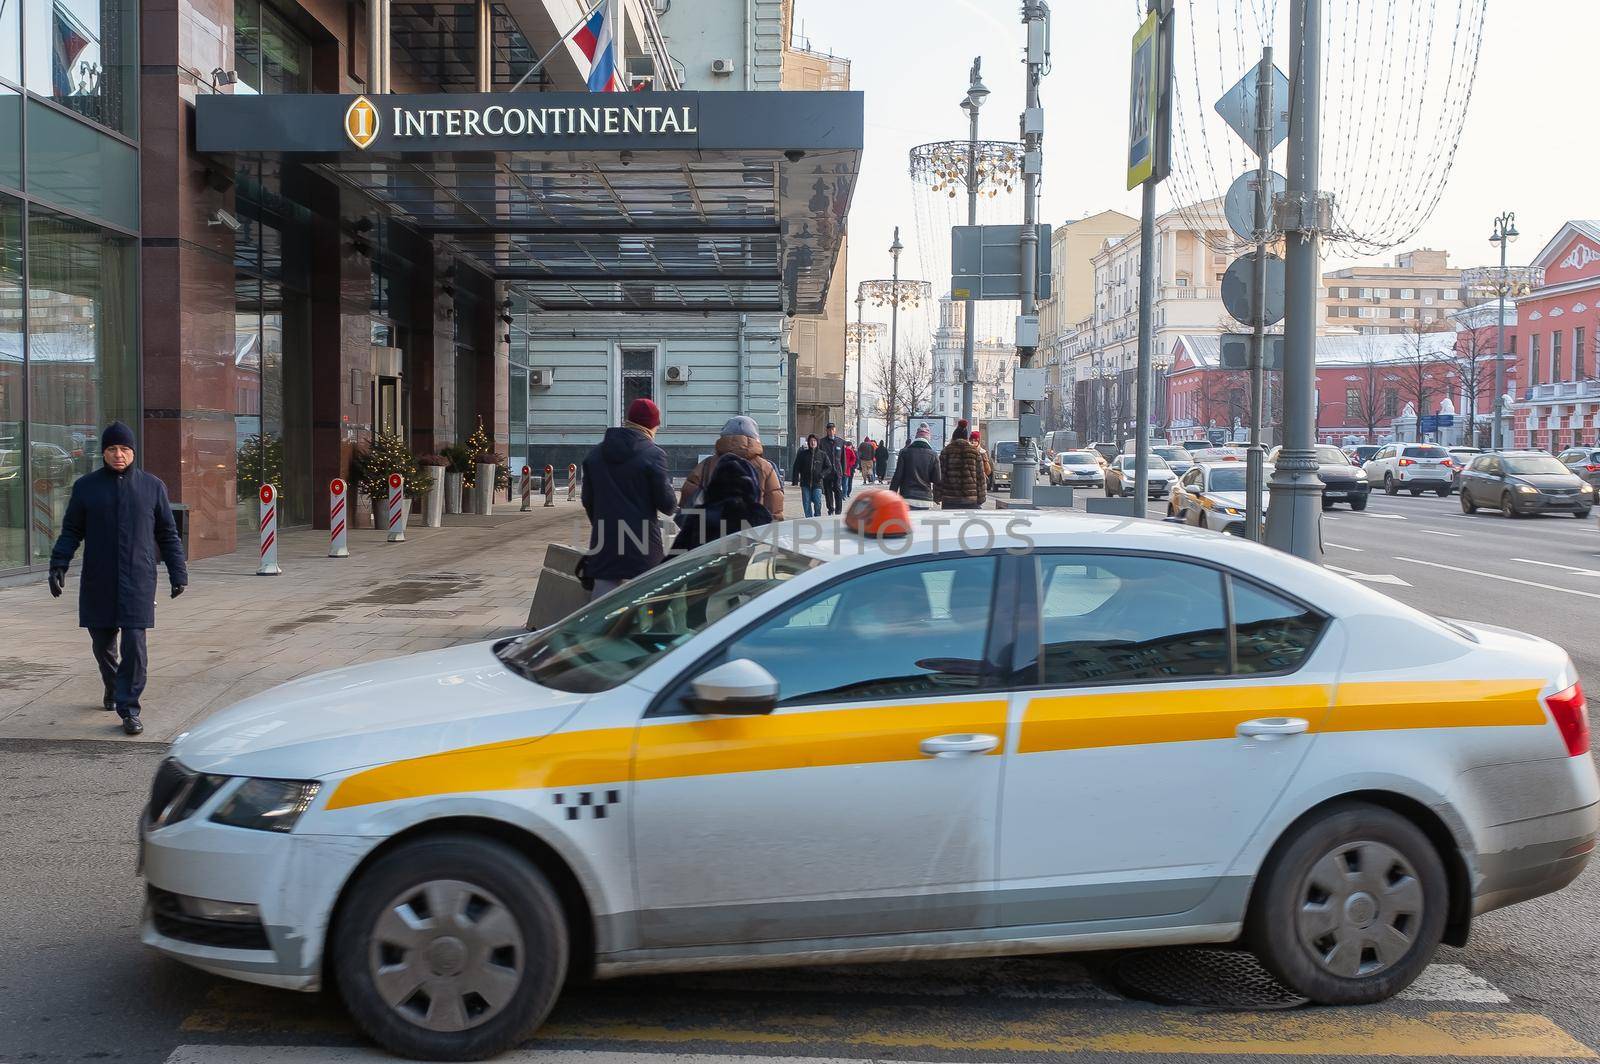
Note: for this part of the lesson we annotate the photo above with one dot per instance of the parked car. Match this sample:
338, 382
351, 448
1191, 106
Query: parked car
1362, 453
1121, 474
1078, 468
1584, 463
1524, 482
1178, 459
1003, 456
1276, 756
1341, 481
1417, 467
1212, 495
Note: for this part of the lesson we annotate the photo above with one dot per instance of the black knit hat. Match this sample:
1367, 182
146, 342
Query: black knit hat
116, 435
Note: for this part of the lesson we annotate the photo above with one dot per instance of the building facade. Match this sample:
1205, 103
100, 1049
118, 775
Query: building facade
1556, 341
993, 359
1073, 247
1375, 300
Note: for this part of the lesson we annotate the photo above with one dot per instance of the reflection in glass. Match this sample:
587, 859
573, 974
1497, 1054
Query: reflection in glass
11, 40
10, 132
271, 56
13, 473
80, 53
82, 345
74, 165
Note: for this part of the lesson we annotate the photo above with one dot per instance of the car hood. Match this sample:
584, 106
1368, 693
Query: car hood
1546, 481
373, 714
1236, 499
1081, 468
1329, 471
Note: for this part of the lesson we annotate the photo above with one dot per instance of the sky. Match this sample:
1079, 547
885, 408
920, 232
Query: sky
1524, 147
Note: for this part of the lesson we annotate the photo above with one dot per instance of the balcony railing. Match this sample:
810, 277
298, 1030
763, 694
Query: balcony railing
1562, 391
1173, 291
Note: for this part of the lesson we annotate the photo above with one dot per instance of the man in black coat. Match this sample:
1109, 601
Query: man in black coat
123, 519
625, 490
834, 446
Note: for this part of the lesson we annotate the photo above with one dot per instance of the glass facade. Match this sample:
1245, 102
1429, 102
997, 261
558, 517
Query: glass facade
520, 343
82, 54
271, 56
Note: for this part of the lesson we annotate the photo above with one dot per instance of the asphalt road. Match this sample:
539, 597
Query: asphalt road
76, 986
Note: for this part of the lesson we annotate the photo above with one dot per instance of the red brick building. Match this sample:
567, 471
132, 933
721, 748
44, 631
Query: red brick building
1555, 341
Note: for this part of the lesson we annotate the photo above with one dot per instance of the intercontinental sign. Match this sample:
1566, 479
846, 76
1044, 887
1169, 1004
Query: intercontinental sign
364, 122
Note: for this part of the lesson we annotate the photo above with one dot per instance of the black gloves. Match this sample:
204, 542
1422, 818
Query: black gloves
58, 580
177, 589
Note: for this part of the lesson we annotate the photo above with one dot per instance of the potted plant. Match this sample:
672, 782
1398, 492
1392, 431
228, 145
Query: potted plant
489, 473
433, 468
388, 454
458, 467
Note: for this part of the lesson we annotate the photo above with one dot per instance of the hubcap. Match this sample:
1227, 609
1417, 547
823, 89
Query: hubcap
1360, 909
446, 955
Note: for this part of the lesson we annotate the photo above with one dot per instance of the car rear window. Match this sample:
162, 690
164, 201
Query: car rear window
1006, 452
1425, 452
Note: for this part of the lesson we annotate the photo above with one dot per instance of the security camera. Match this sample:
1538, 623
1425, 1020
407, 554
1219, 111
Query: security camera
226, 220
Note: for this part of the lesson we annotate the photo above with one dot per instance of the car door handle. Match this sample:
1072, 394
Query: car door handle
1272, 727
962, 745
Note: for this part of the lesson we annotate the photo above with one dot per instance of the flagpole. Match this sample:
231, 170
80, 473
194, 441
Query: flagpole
559, 42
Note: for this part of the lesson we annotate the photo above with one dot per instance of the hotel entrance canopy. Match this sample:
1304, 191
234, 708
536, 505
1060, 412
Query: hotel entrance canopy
685, 201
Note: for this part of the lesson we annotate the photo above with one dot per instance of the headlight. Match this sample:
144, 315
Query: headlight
1587, 489
1527, 489
1361, 478
267, 805
1231, 512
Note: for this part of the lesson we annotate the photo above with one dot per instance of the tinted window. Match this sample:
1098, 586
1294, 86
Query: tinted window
1482, 463
908, 631
1271, 634
1106, 619
1079, 458
1005, 452
1426, 452
1331, 456
1533, 463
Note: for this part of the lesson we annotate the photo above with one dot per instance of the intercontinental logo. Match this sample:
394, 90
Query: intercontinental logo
361, 122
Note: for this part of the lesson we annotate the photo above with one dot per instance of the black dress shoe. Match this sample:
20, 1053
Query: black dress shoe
132, 725
109, 702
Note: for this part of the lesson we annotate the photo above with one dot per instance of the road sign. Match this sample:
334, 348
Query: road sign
1428, 423
1239, 205
986, 262
1238, 286
1236, 351
1238, 107
1446, 420
1144, 99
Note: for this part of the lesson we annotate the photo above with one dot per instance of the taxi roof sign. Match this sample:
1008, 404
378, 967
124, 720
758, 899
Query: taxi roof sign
878, 512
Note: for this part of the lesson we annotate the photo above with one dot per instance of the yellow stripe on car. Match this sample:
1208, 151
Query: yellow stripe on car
1140, 715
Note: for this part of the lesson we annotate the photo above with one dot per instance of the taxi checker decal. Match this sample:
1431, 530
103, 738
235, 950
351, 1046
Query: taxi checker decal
595, 803
1051, 723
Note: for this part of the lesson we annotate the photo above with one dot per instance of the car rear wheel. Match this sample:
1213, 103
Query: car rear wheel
1350, 909
1415, 492
1389, 487
1467, 505
450, 948
1444, 492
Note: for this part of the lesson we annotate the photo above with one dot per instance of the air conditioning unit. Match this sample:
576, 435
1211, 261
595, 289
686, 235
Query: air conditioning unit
722, 67
677, 374
541, 377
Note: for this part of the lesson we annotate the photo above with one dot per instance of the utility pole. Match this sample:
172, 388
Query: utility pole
1036, 16
1255, 457
977, 92
1505, 231
1294, 518
861, 340
1160, 126
894, 347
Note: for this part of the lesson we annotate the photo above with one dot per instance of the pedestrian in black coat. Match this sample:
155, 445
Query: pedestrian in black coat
123, 519
625, 490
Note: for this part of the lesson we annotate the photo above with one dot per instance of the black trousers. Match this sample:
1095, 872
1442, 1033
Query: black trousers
124, 678
830, 488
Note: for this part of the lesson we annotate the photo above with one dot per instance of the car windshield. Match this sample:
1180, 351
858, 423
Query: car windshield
614, 638
1425, 452
1227, 478
1171, 454
1524, 464
1005, 452
1078, 458
1130, 462
1331, 456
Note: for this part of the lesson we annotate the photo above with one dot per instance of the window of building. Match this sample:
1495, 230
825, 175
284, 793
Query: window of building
1580, 359
1364, 293
1391, 403
1427, 299
1555, 356
907, 631
638, 378
1451, 295
1368, 312
81, 54
1534, 376
1352, 402
270, 55
1408, 293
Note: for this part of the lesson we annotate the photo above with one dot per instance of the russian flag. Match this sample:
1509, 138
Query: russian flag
599, 40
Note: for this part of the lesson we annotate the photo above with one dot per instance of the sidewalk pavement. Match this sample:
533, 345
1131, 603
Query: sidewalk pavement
234, 634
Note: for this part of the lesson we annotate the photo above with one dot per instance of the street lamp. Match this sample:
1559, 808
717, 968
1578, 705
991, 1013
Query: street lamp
861, 301
977, 92
1505, 231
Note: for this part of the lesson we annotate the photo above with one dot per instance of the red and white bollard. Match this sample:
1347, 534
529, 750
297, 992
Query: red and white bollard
44, 512
549, 486
338, 534
269, 532
527, 489
572, 482
397, 508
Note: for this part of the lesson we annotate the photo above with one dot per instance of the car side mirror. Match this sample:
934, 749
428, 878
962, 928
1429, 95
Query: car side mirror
737, 688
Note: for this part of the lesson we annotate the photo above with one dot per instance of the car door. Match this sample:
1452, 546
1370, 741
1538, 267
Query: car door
1160, 709
866, 803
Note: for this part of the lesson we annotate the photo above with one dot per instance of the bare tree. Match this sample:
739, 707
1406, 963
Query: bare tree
911, 383
1224, 397
1472, 362
1368, 387
1419, 371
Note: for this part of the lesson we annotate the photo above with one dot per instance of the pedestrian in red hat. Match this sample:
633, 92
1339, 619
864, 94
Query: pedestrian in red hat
625, 490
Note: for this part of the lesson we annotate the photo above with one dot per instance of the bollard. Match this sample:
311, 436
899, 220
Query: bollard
549, 485
44, 515
527, 489
338, 546
269, 532
397, 508
572, 482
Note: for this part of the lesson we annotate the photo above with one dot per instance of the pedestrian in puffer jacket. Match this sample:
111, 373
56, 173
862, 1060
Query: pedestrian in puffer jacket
740, 436
916, 472
625, 489
961, 472
731, 502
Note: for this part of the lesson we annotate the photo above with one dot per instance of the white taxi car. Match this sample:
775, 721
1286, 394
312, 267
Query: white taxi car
808, 743
1213, 495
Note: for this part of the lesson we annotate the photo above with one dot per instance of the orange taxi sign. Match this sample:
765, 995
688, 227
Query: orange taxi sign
878, 512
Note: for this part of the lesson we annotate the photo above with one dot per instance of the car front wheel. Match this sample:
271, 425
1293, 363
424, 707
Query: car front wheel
450, 948
1349, 910
1358, 503
1467, 505
1508, 508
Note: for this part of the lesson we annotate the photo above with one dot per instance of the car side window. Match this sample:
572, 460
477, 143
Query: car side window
1116, 618
1192, 478
1271, 633
1492, 467
904, 631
